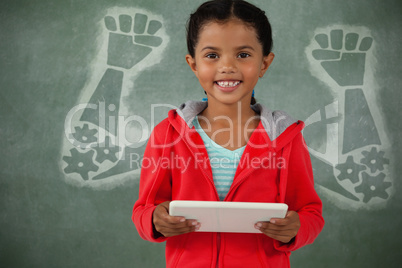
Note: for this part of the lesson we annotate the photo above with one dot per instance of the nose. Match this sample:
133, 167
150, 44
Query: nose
227, 65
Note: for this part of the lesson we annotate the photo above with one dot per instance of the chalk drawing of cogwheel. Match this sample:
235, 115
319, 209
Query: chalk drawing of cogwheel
351, 161
101, 134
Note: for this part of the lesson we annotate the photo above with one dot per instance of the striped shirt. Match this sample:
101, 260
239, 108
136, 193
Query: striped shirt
223, 162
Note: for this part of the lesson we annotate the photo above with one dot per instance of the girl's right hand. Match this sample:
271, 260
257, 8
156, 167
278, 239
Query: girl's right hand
171, 225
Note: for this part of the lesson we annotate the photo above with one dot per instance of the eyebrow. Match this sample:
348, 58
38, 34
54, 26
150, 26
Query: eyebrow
238, 48
245, 47
211, 48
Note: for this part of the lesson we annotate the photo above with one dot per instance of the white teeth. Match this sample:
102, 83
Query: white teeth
228, 83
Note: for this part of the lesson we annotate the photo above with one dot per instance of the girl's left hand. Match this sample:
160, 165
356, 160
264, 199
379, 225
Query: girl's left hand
282, 230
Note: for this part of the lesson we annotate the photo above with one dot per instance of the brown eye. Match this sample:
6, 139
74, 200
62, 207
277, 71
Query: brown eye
243, 55
211, 56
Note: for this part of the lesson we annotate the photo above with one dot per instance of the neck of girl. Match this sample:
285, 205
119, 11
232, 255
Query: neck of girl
229, 125
239, 113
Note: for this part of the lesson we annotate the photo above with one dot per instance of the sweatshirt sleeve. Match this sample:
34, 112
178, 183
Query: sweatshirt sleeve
302, 197
155, 184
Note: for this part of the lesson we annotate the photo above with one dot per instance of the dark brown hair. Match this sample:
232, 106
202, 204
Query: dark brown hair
223, 11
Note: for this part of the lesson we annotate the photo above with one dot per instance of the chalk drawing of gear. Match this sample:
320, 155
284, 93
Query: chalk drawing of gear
130, 41
83, 137
352, 161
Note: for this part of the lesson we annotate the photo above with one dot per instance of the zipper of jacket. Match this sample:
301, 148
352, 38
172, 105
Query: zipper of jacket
202, 170
218, 248
239, 181
218, 235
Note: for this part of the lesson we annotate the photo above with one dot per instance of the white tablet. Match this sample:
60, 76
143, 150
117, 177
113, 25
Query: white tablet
230, 217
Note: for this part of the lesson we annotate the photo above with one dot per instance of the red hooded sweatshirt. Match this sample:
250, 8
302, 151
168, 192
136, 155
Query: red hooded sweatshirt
275, 167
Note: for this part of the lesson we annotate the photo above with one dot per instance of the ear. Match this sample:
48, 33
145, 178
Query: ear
266, 62
191, 62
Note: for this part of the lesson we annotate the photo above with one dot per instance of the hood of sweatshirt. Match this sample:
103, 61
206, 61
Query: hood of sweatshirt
279, 127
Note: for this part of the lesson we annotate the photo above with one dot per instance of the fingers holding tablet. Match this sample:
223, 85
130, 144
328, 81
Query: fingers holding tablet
168, 225
283, 230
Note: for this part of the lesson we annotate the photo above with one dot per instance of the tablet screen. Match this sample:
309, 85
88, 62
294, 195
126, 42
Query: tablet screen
233, 217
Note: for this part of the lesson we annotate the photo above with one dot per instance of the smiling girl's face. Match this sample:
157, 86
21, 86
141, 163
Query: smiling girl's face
228, 61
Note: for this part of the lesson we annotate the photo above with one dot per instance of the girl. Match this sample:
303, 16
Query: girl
226, 149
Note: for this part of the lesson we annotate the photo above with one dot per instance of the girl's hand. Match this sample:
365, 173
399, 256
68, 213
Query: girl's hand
282, 230
170, 225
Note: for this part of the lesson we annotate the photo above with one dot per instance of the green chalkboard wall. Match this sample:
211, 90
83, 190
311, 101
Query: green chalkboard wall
82, 83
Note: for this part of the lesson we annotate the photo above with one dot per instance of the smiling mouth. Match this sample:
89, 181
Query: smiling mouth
227, 84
